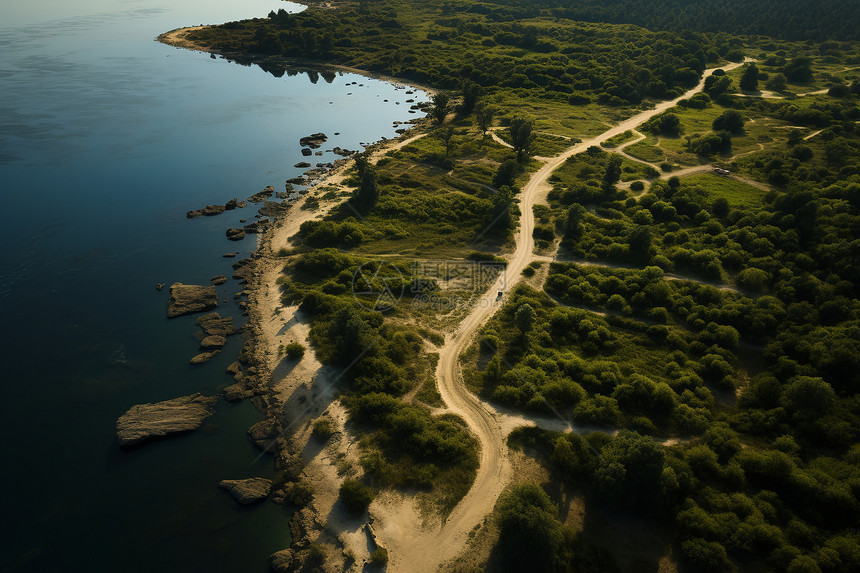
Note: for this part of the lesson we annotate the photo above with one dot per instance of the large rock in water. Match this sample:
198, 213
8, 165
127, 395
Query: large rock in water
314, 140
146, 421
188, 299
247, 491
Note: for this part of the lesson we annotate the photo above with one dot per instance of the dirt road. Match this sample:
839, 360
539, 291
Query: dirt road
411, 548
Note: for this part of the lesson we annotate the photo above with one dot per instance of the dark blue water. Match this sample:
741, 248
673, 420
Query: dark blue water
107, 138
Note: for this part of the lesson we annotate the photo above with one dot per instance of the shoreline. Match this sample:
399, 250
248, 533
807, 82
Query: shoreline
293, 394
178, 38
288, 397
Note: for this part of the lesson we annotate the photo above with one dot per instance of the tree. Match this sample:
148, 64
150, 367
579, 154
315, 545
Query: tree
471, 93
506, 173
484, 116
440, 106
525, 318
776, 82
522, 137
798, 70
666, 124
446, 134
629, 473
368, 187
749, 79
573, 224
530, 533
808, 397
730, 120
612, 175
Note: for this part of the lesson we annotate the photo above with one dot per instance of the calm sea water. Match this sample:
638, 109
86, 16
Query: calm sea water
107, 138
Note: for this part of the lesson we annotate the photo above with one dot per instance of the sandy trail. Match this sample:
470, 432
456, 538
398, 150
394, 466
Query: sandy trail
413, 548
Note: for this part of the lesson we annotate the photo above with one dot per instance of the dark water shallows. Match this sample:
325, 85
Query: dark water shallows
107, 138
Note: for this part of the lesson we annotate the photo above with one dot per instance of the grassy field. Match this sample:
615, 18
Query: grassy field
613, 142
737, 193
646, 151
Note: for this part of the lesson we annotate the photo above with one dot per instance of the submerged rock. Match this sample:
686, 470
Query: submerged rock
302, 165
208, 211
213, 325
247, 491
343, 152
203, 357
235, 234
218, 280
213, 341
262, 195
188, 299
306, 152
145, 421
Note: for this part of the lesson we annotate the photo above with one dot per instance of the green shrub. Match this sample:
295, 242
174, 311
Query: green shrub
355, 496
379, 556
299, 493
295, 350
323, 428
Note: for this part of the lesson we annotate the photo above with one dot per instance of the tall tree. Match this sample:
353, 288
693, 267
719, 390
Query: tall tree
749, 79
368, 187
484, 116
440, 107
446, 134
525, 317
522, 137
612, 175
471, 92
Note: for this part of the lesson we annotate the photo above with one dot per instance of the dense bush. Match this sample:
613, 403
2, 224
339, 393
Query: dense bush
355, 496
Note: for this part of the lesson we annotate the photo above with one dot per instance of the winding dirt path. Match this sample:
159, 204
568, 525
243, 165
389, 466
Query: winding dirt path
413, 549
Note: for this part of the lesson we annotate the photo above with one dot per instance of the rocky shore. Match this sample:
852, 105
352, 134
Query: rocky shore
291, 402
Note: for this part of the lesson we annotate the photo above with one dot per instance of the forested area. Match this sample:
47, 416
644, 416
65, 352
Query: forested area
789, 19
442, 44
721, 314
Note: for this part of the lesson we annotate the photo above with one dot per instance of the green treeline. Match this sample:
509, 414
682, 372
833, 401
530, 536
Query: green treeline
442, 44
788, 19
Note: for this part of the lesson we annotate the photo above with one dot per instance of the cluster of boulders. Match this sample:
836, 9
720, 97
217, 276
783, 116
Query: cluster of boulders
269, 208
261, 196
314, 141
214, 333
210, 210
